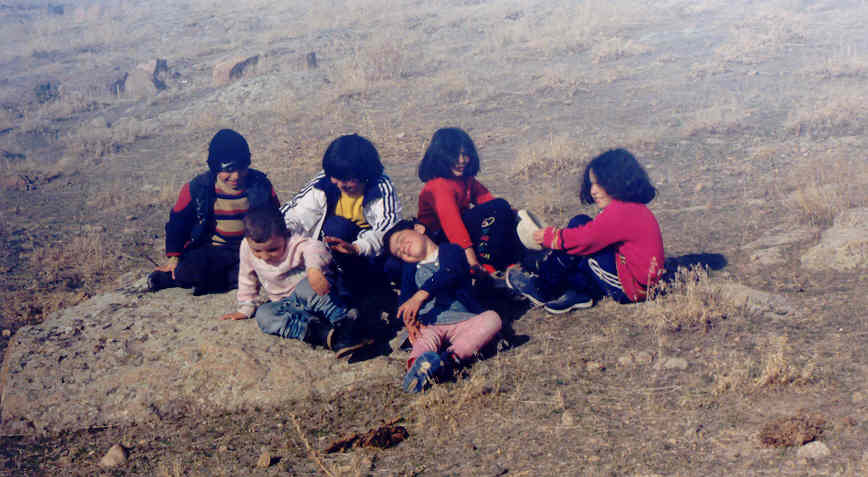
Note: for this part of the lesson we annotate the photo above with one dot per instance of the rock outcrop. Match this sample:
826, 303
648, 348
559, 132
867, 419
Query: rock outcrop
842, 247
234, 68
133, 356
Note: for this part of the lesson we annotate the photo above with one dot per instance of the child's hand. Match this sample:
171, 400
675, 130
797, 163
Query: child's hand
341, 246
539, 236
237, 315
409, 310
318, 281
170, 266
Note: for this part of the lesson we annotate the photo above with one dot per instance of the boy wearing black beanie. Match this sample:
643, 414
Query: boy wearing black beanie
205, 226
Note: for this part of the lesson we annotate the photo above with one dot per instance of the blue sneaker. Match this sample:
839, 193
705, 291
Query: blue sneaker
422, 373
526, 284
570, 300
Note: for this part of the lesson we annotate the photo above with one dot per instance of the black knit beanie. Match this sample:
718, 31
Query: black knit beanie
228, 151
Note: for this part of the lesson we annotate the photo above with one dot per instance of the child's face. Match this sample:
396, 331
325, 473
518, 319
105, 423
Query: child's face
600, 196
269, 252
353, 187
410, 245
233, 180
458, 165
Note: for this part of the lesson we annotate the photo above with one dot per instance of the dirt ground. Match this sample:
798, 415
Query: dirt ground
749, 116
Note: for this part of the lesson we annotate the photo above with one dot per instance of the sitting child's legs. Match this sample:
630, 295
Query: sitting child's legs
465, 338
601, 268
329, 306
492, 230
208, 269
286, 318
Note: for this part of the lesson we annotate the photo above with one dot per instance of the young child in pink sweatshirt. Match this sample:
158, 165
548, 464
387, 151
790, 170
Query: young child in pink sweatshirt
292, 270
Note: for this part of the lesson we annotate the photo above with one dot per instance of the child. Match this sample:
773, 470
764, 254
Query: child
291, 269
350, 205
446, 325
619, 253
204, 228
455, 207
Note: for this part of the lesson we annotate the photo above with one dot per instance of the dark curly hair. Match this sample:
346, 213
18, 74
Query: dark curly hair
620, 175
446, 145
352, 157
262, 223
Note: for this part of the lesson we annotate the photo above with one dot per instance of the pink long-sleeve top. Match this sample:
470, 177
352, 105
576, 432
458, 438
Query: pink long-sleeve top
279, 281
634, 231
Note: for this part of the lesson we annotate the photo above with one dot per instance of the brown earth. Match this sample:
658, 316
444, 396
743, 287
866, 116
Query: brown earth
750, 117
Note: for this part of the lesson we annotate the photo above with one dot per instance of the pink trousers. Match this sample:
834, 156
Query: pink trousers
464, 338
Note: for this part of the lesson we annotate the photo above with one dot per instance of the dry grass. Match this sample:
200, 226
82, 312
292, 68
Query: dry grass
772, 365
615, 48
690, 300
829, 183
840, 114
764, 36
80, 258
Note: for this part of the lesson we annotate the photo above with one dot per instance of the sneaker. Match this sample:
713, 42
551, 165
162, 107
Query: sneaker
421, 374
526, 284
342, 340
158, 280
570, 300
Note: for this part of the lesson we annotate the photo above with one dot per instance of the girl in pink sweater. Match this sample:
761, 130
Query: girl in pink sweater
619, 253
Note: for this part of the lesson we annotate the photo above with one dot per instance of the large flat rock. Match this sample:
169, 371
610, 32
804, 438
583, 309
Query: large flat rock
132, 356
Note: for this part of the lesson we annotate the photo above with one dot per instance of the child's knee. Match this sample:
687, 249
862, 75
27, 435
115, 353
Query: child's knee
491, 321
267, 319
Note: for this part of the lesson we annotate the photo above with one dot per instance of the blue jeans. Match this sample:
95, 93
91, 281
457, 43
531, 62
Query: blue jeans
290, 316
595, 274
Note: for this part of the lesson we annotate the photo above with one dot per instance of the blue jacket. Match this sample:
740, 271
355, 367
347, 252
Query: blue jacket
451, 282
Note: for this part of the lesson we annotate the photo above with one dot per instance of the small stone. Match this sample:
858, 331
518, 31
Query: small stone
131, 217
567, 419
643, 357
593, 366
223, 449
625, 360
264, 459
814, 450
858, 397
675, 363
699, 187
115, 457
7, 333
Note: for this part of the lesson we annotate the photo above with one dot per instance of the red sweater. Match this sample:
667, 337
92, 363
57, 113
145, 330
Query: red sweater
634, 231
441, 202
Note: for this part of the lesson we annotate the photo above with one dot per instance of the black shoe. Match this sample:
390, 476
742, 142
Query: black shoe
343, 339
159, 280
318, 332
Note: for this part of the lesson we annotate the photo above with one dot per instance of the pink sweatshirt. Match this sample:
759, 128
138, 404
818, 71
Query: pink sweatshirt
634, 231
280, 280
